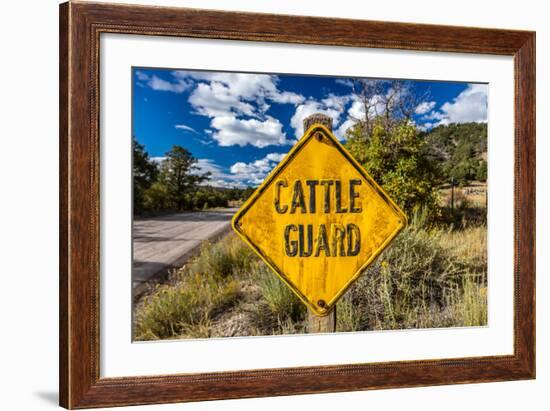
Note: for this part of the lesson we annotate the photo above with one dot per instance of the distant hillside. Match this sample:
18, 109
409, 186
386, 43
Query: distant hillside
461, 150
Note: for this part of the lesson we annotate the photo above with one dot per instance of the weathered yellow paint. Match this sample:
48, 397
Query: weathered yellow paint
320, 280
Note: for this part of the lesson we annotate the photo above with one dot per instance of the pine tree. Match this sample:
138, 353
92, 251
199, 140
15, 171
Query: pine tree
145, 173
179, 174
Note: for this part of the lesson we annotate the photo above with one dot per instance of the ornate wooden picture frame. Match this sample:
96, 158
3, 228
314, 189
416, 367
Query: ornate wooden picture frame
81, 25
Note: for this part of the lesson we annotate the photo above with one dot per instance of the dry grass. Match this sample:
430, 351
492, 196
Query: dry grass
186, 308
278, 311
428, 278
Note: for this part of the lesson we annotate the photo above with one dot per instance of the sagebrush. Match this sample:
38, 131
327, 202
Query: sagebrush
429, 277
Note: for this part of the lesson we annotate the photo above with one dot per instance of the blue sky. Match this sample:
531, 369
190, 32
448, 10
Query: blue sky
240, 125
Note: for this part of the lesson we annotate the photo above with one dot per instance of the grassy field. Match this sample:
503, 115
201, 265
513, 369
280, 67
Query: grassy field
433, 275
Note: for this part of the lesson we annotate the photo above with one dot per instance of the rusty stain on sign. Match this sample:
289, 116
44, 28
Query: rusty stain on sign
318, 220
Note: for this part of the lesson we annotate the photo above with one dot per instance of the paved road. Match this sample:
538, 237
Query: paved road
167, 241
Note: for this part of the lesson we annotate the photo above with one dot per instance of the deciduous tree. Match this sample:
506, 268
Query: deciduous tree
386, 141
400, 161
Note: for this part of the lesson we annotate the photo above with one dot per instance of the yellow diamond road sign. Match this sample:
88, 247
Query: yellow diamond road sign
318, 220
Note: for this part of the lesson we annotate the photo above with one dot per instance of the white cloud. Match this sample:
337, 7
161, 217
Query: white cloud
237, 104
340, 132
425, 126
218, 178
158, 160
469, 106
424, 107
434, 115
357, 109
216, 99
255, 172
234, 131
285, 97
156, 83
344, 82
243, 85
238, 86
244, 168
336, 102
275, 157
207, 165
186, 128
246, 86
141, 76
239, 174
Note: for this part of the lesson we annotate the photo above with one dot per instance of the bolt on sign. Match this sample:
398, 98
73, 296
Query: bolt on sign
318, 220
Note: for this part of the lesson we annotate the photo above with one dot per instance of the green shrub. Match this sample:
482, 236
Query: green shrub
399, 159
229, 256
415, 281
279, 309
348, 318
